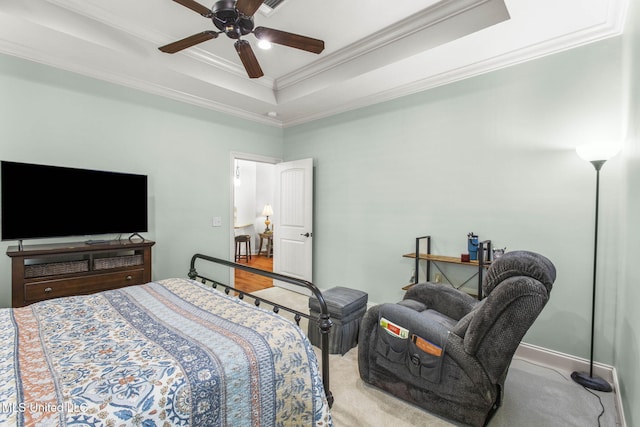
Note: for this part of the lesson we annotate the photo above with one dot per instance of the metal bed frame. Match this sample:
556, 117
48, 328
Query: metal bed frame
323, 320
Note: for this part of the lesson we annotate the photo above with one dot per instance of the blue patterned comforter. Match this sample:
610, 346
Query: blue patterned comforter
168, 353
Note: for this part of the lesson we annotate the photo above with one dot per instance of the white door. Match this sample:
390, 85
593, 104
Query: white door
293, 221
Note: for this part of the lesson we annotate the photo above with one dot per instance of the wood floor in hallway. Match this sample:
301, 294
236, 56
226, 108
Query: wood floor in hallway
248, 282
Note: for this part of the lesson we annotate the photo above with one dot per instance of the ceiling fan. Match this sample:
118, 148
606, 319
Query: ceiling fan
235, 19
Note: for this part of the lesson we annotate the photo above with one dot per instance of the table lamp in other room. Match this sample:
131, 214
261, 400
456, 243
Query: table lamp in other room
267, 211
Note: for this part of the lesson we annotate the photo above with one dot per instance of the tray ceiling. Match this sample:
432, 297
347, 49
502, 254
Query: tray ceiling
387, 50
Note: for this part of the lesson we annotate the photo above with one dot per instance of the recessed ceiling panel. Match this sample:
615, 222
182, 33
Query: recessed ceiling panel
374, 50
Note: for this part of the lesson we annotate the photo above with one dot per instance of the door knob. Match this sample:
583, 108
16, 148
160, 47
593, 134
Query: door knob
306, 234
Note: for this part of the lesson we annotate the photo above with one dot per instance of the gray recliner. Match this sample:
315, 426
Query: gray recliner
449, 353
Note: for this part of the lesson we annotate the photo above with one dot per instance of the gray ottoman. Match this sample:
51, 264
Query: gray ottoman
346, 308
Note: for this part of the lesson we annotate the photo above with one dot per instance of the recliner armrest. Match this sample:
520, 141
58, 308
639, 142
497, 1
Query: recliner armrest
442, 298
427, 327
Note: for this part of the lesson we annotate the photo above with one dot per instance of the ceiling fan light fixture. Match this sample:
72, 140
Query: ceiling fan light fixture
264, 44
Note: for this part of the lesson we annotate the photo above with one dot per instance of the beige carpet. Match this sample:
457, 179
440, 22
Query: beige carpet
534, 395
359, 405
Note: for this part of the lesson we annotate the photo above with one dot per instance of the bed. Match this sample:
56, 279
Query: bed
174, 352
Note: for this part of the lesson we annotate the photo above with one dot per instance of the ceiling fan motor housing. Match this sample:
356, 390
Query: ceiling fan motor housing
229, 20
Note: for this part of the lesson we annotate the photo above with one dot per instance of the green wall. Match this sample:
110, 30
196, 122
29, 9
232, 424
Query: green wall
54, 117
627, 344
494, 155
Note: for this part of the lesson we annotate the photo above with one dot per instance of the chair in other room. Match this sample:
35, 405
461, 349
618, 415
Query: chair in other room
449, 353
243, 240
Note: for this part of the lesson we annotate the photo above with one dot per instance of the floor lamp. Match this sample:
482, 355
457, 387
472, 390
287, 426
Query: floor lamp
597, 155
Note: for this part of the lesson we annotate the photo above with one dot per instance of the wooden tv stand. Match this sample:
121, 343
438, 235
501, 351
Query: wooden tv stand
40, 272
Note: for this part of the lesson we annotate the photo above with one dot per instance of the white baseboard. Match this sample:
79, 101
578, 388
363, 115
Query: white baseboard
569, 363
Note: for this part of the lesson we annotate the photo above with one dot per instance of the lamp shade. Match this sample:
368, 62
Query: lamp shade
595, 152
267, 211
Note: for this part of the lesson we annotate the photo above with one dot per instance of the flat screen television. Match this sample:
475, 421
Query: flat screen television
41, 201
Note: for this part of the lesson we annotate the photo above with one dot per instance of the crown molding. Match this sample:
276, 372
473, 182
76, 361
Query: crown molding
393, 87
394, 33
613, 26
155, 38
133, 83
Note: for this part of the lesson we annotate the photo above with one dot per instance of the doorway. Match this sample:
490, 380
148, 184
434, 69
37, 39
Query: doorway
286, 189
253, 189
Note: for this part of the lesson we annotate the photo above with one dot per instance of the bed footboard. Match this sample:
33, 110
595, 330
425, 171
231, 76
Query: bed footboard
323, 321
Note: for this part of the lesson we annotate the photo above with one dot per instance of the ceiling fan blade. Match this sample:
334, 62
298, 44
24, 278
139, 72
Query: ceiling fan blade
248, 59
196, 7
189, 41
289, 39
248, 7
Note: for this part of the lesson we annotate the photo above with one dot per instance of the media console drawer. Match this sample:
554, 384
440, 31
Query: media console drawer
81, 285
41, 272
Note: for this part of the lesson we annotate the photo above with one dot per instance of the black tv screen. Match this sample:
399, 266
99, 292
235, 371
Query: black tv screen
40, 201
